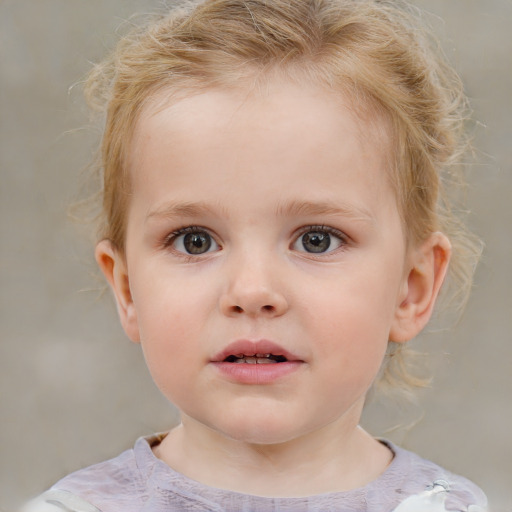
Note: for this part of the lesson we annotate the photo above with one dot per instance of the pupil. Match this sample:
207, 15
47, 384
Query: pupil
197, 243
316, 241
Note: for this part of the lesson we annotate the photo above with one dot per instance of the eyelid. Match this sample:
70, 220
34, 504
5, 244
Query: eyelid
171, 238
322, 227
344, 239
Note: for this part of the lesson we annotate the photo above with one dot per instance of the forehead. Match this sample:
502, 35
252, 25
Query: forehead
308, 110
310, 138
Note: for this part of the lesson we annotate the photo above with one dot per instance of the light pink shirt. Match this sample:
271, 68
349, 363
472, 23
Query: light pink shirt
136, 481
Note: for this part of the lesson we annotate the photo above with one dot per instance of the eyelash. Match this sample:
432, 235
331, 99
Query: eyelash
171, 238
344, 239
321, 227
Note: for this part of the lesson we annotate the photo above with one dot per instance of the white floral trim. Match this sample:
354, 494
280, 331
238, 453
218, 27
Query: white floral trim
432, 500
58, 501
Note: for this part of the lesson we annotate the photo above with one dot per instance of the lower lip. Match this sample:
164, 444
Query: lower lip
245, 373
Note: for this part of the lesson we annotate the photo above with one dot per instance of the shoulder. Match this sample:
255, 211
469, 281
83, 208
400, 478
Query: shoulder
118, 482
427, 484
108, 478
57, 501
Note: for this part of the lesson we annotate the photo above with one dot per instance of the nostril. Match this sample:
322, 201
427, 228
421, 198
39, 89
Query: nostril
267, 308
252, 304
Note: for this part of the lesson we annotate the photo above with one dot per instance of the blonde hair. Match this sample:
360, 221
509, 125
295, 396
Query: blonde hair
375, 52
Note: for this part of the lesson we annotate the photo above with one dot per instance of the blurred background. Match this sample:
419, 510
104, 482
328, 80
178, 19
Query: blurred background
74, 391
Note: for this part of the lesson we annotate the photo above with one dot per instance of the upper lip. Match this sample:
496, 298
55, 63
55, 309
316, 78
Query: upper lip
251, 348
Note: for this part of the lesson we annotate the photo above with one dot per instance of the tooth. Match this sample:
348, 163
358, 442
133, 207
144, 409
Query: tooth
257, 359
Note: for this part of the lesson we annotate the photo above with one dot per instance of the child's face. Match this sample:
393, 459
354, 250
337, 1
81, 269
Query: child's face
266, 222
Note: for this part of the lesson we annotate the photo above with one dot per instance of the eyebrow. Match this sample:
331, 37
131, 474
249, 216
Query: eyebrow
184, 209
324, 208
294, 208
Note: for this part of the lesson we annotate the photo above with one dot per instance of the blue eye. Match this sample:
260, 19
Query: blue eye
319, 240
193, 241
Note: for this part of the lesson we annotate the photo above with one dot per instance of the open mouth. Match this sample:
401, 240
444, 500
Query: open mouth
257, 362
255, 352
255, 359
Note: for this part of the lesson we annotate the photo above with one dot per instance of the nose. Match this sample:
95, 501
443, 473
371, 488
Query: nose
253, 289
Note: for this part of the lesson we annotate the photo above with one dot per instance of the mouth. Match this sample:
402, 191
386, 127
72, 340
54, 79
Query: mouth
261, 362
255, 359
255, 352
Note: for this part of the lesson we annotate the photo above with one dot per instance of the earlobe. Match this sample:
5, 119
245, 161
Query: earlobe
113, 266
426, 272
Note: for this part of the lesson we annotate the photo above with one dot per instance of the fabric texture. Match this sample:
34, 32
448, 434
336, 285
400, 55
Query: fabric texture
137, 481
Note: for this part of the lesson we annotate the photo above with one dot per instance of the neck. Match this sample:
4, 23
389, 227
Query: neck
335, 458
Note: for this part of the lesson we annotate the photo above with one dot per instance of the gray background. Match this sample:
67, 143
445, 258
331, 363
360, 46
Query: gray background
74, 391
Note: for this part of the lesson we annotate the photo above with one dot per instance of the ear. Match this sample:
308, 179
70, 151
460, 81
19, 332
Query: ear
113, 265
424, 276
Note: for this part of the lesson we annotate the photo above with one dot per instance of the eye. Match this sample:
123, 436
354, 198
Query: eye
319, 239
192, 241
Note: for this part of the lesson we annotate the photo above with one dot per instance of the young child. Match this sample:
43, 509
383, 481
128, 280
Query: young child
276, 228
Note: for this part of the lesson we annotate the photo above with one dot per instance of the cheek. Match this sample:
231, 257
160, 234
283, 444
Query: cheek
171, 349
351, 325
353, 312
168, 302
169, 317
